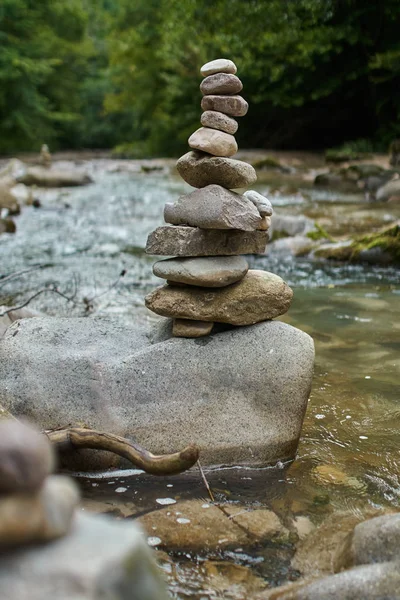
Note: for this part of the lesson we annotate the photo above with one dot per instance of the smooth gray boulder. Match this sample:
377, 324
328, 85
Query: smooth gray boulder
240, 394
200, 169
100, 559
203, 271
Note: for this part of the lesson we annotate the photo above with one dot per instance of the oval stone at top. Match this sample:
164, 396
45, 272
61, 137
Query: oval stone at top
220, 65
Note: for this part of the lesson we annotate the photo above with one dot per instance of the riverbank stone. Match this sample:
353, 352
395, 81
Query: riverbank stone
200, 169
217, 120
191, 241
214, 207
26, 458
220, 65
221, 83
213, 141
209, 271
234, 106
252, 384
100, 558
259, 296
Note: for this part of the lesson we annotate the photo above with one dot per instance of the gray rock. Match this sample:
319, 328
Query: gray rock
217, 120
250, 383
221, 83
372, 582
220, 65
187, 328
101, 559
38, 517
214, 207
257, 297
192, 241
213, 141
26, 458
389, 190
373, 541
210, 271
53, 177
290, 225
234, 106
262, 203
199, 169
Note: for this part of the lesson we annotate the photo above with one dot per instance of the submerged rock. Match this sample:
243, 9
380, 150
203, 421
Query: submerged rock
250, 383
100, 558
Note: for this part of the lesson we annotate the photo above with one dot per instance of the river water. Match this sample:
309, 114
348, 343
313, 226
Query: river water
81, 239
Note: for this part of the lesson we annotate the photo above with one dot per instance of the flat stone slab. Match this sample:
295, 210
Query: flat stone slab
234, 106
257, 297
191, 241
220, 65
221, 83
214, 207
209, 271
247, 388
100, 558
213, 141
200, 169
217, 120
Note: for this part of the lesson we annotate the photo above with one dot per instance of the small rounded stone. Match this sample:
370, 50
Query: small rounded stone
26, 458
217, 120
235, 106
213, 142
262, 203
188, 328
220, 65
221, 83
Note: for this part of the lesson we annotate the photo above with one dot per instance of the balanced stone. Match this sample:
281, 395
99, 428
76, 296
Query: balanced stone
209, 271
191, 241
262, 203
235, 106
213, 141
217, 120
191, 329
259, 296
220, 65
221, 83
265, 223
214, 207
42, 516
26, 458
199, 169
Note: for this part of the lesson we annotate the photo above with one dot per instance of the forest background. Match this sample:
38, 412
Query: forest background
124, 74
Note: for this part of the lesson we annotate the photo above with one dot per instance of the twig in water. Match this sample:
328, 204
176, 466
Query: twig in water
5, 278
53, 289
205, 481
88, 301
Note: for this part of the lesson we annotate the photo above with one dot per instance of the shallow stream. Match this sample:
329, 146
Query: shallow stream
348, 458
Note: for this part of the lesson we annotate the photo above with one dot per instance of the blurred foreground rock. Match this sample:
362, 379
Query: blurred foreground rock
239, 394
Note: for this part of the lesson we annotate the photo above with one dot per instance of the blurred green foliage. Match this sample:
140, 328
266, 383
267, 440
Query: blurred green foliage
125, 73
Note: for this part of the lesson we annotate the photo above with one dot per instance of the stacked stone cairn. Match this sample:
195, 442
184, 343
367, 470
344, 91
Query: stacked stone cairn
35, 506
207, 231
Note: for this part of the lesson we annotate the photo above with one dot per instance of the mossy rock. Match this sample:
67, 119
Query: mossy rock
270, 163
319, 233
381, 247
340, 155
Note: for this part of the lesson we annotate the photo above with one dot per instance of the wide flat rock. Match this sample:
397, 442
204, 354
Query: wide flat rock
209, 271
259, 296
100, 558
247, 388
214, 207
221, 83
213, 141
173, 240
234, 106
200, 169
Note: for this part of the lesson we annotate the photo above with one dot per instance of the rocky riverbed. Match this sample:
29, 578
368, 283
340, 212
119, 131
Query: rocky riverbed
80, 240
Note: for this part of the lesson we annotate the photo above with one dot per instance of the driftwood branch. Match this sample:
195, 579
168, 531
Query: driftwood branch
169, 464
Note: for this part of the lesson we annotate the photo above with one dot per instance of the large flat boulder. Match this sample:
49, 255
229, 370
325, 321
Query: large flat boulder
240, 394
100, 558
